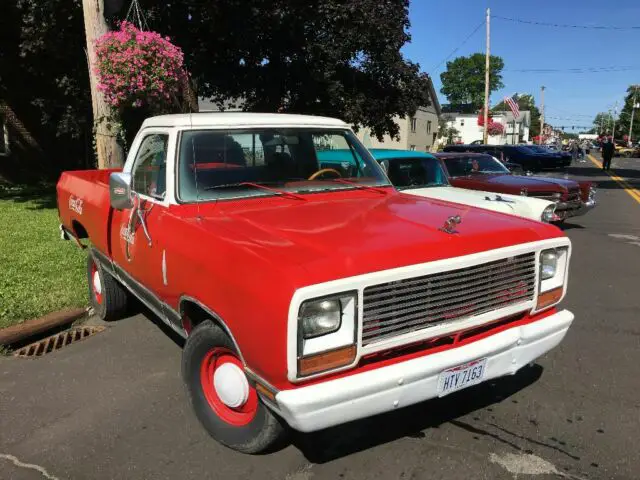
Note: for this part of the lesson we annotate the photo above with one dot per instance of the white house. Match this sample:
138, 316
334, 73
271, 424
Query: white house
466, 122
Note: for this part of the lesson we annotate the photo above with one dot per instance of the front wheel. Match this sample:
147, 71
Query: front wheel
224, 400
107, 296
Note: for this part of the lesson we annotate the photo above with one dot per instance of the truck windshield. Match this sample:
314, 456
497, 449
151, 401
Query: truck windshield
217, 164
464, 166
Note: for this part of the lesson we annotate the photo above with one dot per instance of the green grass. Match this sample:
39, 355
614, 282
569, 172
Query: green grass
39, 272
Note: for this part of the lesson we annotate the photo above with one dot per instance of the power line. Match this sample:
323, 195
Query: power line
459, 46
622, 68
560, 25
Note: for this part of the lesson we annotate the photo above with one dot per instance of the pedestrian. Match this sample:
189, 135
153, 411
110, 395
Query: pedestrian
608, 148
574, 151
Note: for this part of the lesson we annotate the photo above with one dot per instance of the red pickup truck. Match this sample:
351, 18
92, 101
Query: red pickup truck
309, 295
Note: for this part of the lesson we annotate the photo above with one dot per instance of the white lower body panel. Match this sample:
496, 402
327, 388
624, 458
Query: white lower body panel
387, 388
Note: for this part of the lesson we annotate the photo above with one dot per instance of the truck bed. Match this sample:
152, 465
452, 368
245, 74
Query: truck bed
83, 203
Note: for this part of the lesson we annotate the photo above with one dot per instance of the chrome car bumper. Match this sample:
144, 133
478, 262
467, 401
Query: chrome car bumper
387, 388
570, 209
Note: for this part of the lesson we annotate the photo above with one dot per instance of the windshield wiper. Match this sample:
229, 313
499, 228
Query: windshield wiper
276, 191
360, 185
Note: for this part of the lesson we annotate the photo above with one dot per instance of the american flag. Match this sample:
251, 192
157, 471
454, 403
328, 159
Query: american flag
513, 105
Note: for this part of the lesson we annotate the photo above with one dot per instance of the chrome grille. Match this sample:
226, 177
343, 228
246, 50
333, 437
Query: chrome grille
398, 307
574, 195
544, 195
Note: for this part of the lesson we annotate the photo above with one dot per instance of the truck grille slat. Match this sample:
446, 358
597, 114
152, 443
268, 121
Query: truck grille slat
419, 324
458, 307
403, 306
453, 276
459, 295
437, 291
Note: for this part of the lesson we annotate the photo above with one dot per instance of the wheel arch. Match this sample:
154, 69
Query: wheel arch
193, 312
79, 229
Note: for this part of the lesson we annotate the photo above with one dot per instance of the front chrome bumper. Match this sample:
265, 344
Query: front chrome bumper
568, 209
387, 388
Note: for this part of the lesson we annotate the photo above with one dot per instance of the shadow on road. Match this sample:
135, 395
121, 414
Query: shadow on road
630, 175
344, 440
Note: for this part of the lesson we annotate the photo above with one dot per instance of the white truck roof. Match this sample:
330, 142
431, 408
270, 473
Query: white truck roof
241, 119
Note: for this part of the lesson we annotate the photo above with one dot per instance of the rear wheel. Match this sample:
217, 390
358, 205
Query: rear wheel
107, 296
224, 400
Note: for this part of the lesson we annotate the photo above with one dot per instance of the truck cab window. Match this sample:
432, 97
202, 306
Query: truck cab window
150, 166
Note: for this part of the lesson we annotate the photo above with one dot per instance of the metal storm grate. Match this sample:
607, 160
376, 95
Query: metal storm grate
402, 306
57, 341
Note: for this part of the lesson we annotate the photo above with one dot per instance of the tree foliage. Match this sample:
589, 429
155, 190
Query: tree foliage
324, 57
624, 121
603, 122
463, 81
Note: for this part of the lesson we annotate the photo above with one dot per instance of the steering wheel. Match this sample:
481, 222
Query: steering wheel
322, 171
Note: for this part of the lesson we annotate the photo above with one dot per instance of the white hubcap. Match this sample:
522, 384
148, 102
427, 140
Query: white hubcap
97, 286
231, 385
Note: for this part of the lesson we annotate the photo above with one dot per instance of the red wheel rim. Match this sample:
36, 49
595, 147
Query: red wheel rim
239, 416
96, 283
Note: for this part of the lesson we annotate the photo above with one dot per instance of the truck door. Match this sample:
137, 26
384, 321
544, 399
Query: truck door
136, 233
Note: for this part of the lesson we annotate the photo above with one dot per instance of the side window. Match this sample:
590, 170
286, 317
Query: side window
150, 166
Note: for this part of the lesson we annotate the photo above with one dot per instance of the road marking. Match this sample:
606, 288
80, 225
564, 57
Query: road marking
528, 464
623, 236
30, 466
633, 192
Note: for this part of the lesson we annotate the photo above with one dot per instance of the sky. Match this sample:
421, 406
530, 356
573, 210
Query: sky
440, 26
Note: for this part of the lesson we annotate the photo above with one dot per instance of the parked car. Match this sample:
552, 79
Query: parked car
308, 295
522, 155
565, 157
571, 198
422, 174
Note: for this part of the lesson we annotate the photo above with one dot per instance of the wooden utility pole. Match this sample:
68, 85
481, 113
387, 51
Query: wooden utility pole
615, 114
487, 65
633, 111
109, 151
541, 114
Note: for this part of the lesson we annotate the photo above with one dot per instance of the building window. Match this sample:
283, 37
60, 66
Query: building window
413, 124
412, 148
462, 122
4, 137
428, 126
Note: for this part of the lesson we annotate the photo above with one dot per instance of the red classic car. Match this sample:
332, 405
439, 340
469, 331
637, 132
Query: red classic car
309, 294
477, 171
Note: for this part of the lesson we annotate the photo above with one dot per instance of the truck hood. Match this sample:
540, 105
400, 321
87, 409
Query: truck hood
341, 234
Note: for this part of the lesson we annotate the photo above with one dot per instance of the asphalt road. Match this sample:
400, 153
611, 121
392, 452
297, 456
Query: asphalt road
113, 406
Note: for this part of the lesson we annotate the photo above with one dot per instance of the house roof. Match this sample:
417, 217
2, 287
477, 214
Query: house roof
241, 119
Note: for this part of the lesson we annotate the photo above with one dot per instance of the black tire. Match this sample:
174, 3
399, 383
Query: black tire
111, 303
263, 431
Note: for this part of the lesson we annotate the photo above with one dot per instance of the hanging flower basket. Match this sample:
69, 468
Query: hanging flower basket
495, 128
138, 69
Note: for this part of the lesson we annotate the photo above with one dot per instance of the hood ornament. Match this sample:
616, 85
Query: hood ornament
450, 224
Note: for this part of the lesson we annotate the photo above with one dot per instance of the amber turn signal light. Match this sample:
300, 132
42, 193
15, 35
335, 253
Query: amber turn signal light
549, 298
324, 361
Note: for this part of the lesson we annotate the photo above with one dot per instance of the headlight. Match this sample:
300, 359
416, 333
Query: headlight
592, 193
319, 317
327, 334
554, 263
549, 214
548, 264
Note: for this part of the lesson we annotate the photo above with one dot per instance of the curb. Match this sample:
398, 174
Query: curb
29, 328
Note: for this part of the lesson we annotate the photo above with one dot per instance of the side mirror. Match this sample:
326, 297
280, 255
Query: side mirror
120, 191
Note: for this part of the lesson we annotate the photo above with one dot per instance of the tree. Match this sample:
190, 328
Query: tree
624, 122
526, 102
463, 81
603, 122
446, 131
326, 57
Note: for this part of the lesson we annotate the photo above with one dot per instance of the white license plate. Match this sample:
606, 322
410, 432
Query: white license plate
460, 377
